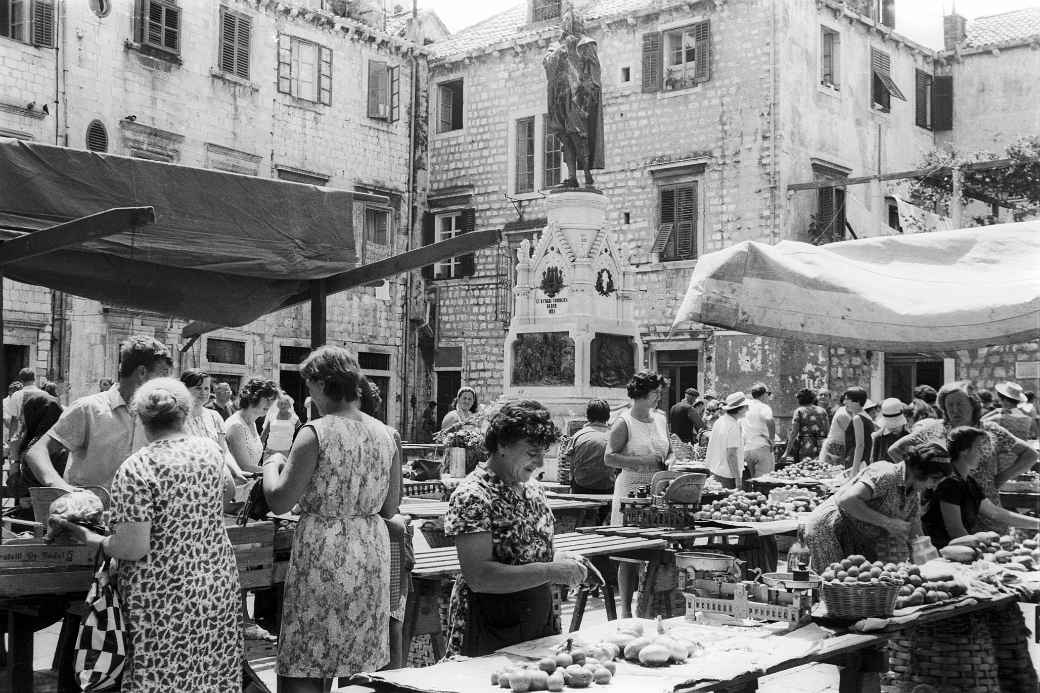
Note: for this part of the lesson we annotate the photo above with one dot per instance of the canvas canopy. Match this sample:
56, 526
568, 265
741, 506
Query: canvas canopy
223, 248
923, 292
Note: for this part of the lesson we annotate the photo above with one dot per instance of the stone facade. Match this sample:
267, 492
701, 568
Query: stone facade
186, 109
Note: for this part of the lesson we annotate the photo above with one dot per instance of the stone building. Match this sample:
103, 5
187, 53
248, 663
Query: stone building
277, 89
711, 110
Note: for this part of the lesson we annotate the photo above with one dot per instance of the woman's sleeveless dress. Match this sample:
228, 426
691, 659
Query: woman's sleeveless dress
643, 439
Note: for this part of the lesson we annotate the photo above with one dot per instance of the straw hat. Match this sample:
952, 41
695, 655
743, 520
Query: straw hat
893, 406
734, 401
1011, 391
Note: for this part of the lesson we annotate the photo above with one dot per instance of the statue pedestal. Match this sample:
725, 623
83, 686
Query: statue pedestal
572, 337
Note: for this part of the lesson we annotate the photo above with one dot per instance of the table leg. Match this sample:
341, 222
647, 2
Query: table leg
580, 600
18, 677
608, 601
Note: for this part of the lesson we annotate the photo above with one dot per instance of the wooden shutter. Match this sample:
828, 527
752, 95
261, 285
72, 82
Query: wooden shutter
377, 107
922, 94
43, 23
429, 231
325, 75
243, 32
228, 33
666, 223
653, 61
881, 66
838, 227
172, 29
395, 93
284, 64
664, 234
942, 103
824, 215
445, 95
468, 262
686, 221
702, 46
154, 23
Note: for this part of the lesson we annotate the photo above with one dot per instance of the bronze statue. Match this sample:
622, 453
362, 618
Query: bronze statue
575, 96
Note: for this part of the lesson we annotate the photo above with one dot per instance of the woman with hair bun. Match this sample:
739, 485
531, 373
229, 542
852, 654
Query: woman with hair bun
336, 610
178, 579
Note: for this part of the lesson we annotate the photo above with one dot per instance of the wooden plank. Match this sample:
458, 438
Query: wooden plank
75, 232
254, 557
252, 579
37, 555
35, 582
253, 533
897, 175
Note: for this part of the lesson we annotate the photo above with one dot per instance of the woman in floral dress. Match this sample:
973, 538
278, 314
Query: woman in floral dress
178, 579
877, 514
504, 537
344, 473
809, 426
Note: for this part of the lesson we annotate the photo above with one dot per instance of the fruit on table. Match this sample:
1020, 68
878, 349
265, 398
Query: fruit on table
807, 469
563, 659
547, 664
577, 676
961, 553
655, 654
555, 681
633, 648
539, 680
520, 680
751, 506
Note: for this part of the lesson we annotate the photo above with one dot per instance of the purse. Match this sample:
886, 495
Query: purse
101, 644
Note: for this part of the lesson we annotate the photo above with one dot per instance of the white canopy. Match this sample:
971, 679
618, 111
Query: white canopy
921, 292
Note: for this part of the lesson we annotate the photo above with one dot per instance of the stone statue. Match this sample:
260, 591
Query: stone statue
575, 99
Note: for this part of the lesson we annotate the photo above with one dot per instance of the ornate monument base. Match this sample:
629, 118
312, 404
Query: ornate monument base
572, 337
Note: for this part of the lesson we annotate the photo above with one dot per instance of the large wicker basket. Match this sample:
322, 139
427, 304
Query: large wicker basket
861, 600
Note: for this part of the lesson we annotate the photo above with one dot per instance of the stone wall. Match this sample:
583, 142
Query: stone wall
987, 366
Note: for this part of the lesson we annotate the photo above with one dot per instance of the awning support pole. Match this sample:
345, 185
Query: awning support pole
318, 299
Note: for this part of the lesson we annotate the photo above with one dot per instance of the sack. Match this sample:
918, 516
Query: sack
101, 644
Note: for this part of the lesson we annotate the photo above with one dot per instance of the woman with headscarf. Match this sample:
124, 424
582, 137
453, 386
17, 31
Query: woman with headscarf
891, 426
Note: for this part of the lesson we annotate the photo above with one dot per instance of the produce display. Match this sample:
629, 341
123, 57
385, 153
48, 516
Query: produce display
1013, 554
576, 665
807, 469
914, 588
751, 506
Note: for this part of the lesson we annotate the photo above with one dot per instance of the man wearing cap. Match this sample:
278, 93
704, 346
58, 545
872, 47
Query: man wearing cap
891, 426
725, 454
681, 416
1008, 414
712, 408
759, 431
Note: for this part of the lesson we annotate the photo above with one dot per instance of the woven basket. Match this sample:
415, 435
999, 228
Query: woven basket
861, 600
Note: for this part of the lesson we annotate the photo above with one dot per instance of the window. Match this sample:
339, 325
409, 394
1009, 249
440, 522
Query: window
892, 207
444, 226
293, 354
97, 137
377, 225
373, 361
543, 10
677, 222
159, 25
383, 91
923, 99
225, 351
677, 58
235, 29
525, 155
304, 70
552, 173
626, 74
830, 43
28, 21
450, 115
882, 87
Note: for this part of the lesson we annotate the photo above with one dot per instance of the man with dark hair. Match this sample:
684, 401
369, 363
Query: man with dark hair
847, 442
923, 404
99, 430
681, 418
589, 474
221, 402
759, 432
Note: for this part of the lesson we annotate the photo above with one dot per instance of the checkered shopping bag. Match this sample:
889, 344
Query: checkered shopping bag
102, 639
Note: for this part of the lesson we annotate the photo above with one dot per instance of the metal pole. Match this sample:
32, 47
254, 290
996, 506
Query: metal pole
318, 299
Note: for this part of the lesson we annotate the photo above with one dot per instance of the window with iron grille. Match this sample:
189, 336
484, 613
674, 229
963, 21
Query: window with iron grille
882, 87
97, 137
677, 58
552, 173
543, 10
830, 44
159, 25
450, 112
304, 69
28, 21
235, 30
677, 222
383, 91
525, 155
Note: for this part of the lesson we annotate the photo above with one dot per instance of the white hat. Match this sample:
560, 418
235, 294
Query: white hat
734, 401
869, 404
1011, 391
893, 406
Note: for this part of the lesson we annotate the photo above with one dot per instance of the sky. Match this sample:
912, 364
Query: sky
920, 20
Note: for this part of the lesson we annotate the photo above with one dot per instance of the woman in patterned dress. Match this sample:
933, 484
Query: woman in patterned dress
1002, 456
638, 446
344, 473
809, 426
504, 538
178, 579
877, 513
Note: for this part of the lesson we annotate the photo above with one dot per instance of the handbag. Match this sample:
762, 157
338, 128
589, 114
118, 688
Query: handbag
101, 644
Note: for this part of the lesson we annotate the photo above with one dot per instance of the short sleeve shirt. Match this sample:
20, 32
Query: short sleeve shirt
756, 426
100, 432
725, 434
962, 492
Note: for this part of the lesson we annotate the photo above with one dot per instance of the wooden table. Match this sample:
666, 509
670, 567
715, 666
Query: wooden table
1021, 500
422, 509
436, 566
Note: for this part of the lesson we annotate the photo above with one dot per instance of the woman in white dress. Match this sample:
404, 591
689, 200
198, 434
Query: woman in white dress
280, 426
638, 446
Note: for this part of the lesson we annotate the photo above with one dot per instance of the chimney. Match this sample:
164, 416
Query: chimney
955, 29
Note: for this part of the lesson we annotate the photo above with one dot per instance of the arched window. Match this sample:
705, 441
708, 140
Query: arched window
97, 137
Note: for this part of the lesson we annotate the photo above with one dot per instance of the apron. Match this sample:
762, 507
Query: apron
500, 620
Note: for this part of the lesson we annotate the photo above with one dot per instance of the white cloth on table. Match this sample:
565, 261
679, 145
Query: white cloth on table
644, 438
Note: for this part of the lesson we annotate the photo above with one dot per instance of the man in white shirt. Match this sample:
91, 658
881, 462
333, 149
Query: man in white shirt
725, 453
759, 431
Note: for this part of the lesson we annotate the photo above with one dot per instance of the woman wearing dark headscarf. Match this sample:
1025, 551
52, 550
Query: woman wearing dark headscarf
39, 413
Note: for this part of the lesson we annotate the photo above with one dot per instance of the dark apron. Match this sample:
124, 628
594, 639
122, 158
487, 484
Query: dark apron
499, 620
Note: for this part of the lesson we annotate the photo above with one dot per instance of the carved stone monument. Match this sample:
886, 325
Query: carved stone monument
572, 337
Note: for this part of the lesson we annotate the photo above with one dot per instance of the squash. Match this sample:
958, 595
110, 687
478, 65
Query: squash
547, 664
960, 554
633, 648
601, 676
555, 682
577, 676
655, 655
520, 681
539, 680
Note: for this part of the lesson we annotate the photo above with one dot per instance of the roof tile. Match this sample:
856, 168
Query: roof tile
1019, 25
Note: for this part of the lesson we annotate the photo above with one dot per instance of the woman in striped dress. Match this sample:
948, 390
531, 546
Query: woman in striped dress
638, 446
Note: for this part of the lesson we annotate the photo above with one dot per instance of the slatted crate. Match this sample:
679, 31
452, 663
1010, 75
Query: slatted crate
254, 553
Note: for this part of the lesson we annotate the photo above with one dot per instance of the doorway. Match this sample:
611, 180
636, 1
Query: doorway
680, 368
904, 372
448, 384
16, 357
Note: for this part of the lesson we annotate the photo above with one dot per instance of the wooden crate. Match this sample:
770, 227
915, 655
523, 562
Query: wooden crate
30, 567
254, 552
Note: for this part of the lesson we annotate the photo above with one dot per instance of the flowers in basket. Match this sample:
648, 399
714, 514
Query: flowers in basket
465, 437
